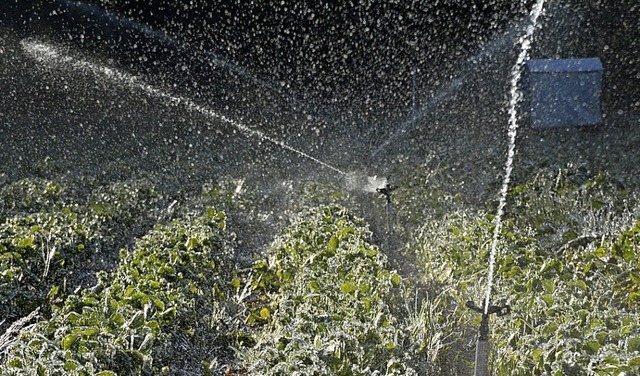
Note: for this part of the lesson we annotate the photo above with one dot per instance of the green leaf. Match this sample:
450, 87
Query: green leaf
537, 353
332, 247
592, 347
600, 252
53, 292
158, 303
633, 344
235, 283
70, 365
25, 242
15, 363
315, 286
612, 359
548, 285
634, 362
364, 288
73, 317
153, 325
346, 231
395, 279
548, 299
118, 319
348, 287
89, 332
265, 313
580, 284
550, 328
192, 243
68, 341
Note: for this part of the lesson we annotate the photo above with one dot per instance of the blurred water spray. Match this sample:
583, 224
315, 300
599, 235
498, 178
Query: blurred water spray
515, 96
54, 57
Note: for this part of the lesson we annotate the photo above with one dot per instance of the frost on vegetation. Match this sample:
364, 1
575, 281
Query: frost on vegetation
122, 211
568, 266
153, 315
50, 242
336, 306
123, 202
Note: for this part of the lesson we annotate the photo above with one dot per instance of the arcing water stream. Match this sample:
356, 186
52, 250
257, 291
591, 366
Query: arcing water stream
515, 96
52, 56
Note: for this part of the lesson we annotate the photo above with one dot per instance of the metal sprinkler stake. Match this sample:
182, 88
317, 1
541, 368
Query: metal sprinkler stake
386, 192
482, 345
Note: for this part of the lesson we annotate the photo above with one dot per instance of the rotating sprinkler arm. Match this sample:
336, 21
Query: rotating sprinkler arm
497, 310
386, 191
482, 345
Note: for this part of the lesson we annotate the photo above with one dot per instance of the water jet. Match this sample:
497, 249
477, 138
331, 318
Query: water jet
49, 54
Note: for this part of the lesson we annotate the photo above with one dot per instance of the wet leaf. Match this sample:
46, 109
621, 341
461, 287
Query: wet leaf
69, 341
348, 287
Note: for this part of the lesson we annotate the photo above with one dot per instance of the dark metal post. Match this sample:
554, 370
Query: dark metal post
482, 344
386, 192
482, 348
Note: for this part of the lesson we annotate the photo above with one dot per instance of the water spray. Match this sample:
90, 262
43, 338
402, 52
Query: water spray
516, 74
414, 104
49, 54
95, 14
446, 92
482, 344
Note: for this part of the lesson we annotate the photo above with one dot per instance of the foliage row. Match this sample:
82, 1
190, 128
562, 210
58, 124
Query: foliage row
337, 307
323, 300
568, 265
49, 238
152, 314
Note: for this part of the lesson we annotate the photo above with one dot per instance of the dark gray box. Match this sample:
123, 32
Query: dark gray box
564, 92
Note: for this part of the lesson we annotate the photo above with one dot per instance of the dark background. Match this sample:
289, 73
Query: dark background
343, 56
343, 69
332, 79
350, 62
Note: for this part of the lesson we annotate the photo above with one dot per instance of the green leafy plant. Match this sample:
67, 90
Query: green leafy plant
154, 312
49, 242
335, 305
567, 267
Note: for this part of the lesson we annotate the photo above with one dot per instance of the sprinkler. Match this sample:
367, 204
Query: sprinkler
386, 190
356, 181
482, 345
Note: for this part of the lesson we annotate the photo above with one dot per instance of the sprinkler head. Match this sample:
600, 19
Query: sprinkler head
497, 310
386, 191
361, 182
